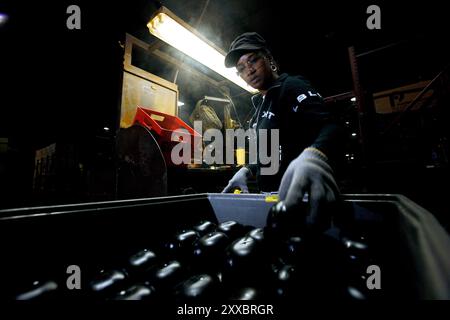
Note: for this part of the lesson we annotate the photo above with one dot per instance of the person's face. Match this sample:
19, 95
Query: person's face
254, 69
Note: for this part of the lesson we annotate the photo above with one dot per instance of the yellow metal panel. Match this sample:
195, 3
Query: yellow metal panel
137, 91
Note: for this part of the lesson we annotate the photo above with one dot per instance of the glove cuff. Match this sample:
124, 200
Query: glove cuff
312, 152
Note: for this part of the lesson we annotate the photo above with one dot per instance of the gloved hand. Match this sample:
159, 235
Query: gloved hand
239, 180
310, 174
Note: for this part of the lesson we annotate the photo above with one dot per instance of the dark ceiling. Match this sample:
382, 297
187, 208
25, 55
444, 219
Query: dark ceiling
50, 73
312, 37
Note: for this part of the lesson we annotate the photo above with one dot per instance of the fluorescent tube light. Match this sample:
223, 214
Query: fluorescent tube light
172, 30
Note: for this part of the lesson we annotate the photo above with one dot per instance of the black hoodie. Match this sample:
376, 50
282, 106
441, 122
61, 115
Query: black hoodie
297, 110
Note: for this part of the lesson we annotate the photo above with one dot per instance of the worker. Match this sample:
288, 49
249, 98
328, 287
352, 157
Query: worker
310, 139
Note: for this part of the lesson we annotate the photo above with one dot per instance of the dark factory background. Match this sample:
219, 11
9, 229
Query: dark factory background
62, 88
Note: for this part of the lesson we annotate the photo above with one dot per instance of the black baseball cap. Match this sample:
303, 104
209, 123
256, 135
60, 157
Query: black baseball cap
245, 43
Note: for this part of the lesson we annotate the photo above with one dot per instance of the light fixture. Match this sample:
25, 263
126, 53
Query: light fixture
180, 104
3, 18
171, 29
217, 99
353, 99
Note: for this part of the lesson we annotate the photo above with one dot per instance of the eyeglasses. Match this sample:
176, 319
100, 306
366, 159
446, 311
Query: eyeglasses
251, 62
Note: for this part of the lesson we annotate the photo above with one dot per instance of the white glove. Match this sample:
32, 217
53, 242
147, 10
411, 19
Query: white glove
309, 174
239, 180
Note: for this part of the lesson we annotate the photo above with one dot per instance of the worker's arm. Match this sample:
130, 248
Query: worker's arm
311, 172
310, 122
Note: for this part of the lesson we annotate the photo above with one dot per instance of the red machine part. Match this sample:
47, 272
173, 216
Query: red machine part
169, 131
